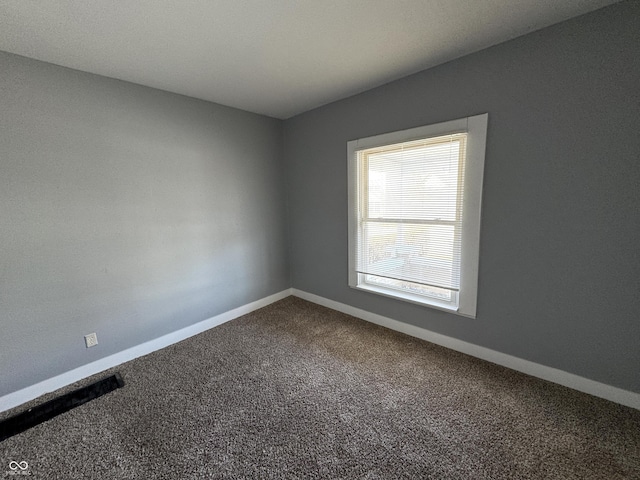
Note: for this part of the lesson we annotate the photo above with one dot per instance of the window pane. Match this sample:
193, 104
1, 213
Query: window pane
410, 287
418, 253
415, 182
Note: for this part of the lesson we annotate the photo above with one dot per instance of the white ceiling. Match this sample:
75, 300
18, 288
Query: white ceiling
274, 57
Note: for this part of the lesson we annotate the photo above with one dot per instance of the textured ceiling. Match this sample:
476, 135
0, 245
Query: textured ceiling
274, 57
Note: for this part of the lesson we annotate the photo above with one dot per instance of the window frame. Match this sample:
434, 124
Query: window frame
476, 129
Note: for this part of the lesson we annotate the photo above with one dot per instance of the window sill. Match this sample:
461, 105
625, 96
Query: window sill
407, 297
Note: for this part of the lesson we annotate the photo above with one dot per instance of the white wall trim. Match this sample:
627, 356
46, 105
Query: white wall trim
608, 392
29, 393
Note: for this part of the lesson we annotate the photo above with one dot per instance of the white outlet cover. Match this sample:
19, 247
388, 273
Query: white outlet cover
91, 340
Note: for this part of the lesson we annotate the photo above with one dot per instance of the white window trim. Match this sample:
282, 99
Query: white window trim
476, 127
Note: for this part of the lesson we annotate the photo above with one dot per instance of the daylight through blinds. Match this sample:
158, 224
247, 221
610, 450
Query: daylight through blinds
410, 213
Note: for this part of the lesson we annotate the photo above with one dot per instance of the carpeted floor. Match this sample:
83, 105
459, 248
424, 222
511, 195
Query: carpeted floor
295, 390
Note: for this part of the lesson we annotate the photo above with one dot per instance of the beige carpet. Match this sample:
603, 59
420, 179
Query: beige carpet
295, 390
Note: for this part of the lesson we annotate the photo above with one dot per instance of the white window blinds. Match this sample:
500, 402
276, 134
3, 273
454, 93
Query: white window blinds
409, 211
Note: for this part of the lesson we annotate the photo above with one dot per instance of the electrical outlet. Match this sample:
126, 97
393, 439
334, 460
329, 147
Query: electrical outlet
91, 340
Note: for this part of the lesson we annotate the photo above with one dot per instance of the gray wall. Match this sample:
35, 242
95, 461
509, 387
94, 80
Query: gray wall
559, 260
126, 211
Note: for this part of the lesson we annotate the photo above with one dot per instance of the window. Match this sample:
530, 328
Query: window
414, 213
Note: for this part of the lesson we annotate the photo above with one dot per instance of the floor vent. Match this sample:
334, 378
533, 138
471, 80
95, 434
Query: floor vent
41, 413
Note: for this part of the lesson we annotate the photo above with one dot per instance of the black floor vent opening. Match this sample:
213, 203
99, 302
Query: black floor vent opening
41, 413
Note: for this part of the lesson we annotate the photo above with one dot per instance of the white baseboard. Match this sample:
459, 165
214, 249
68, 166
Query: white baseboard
34, 391
614, 394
